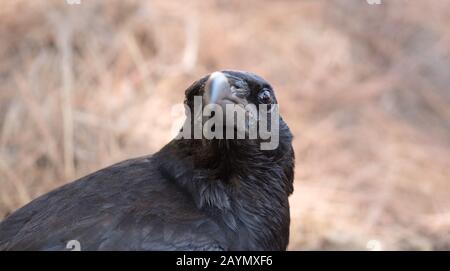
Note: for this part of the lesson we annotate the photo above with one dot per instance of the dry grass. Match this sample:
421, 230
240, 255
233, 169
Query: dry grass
365, 89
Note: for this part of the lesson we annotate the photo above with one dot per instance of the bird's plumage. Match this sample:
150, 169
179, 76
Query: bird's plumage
194, 194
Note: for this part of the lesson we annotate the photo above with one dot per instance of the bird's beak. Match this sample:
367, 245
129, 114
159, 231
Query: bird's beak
217, 89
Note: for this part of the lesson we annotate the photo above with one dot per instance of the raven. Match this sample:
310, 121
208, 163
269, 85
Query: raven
193, 194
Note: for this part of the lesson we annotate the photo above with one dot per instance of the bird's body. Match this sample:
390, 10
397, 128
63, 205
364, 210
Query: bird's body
128, 206
191, 195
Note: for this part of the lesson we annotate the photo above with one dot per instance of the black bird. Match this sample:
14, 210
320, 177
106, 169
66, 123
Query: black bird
194, 194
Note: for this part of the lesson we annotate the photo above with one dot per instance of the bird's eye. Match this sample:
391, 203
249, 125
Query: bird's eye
265, 97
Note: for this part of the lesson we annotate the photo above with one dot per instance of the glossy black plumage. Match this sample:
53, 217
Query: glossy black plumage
191, 195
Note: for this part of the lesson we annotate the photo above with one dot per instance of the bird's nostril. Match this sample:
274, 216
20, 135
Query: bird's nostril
239, 92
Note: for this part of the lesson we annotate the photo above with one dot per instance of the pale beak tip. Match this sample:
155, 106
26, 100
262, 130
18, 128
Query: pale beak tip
216, 86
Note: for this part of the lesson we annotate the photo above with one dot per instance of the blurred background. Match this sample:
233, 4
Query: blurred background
364, 88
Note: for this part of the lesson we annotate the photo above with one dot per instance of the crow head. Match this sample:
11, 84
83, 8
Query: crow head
239, 180
240, 88
233, 105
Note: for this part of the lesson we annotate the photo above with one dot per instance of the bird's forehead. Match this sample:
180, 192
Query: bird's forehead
244, 79
237, 82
